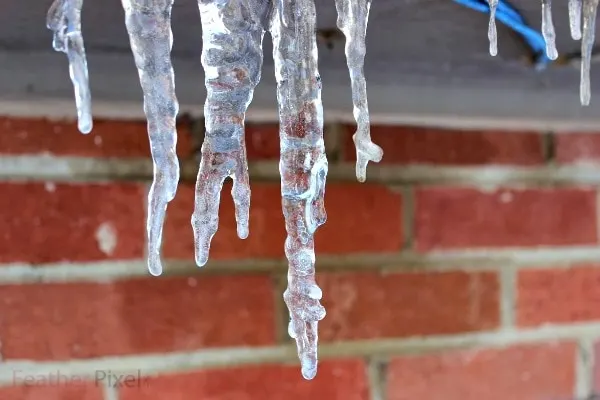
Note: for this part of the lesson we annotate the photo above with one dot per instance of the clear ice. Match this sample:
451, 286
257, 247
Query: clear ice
575, 18
148, 24
232, 34
64, 19
585, 10
589, 10
303, 168
232, 57
353, 16
492, 32
548, 29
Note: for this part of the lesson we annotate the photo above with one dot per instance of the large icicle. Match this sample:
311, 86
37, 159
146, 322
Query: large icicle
353, 16
149, 26
64, 19
575, 18
232, 61
589, 11
548, 29
492, 32
303, 168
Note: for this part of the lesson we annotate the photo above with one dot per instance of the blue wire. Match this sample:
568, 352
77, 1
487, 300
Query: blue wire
510, 17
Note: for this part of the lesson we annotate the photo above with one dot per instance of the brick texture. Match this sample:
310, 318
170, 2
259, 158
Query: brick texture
407, 304
61, 138
86, 226
577, 148
450, 218
81, 320
365, 218
414, 145
70, 222
343, 380
262, 141
69, 391
558, 295
533, 372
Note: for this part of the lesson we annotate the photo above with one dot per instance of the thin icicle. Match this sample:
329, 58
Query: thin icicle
548, 30
303, 168
232, 60
590, 8
492, 33
353, 16
64, 19
575, 18
149, 29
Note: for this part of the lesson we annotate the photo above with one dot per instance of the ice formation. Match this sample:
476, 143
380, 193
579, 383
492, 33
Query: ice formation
232, 57
64, 19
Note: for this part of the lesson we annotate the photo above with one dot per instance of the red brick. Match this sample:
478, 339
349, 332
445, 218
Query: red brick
57, 222
107, 139
68, 391
419, 145
448, 218
262, 141
533, 372
83, 320
361, 218
407, 304
558, 295
580, 148
335, 380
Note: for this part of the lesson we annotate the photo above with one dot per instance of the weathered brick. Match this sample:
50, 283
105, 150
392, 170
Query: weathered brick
107, 139
450, 218
335, 380
262, 141
83, 320
365, 218
407, 304
419, 145
70, 222
577, 148
558, 295
51, 391
533, 372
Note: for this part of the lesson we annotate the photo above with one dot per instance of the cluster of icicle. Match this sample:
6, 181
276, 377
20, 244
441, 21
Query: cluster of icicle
233, 31
579, 10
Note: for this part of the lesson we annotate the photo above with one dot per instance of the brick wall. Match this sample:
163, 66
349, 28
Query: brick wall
467, 268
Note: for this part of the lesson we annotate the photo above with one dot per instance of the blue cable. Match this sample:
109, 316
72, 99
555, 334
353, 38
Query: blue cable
510, 17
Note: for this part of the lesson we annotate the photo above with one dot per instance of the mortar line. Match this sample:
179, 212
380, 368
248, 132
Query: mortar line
281, 313
549, 147
584, 364
69, 169
508, 296
153, 364
376, 378
109, 391
408, 216
333, 133
407, 262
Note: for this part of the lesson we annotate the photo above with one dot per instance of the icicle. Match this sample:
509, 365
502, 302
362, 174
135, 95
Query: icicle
590, 8
149, 29
492, 33
303, 169
64, 19
575, 18
232, 61
352, 20
548, 29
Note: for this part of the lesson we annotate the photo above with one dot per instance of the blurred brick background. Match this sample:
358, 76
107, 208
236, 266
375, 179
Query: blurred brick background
466, 268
